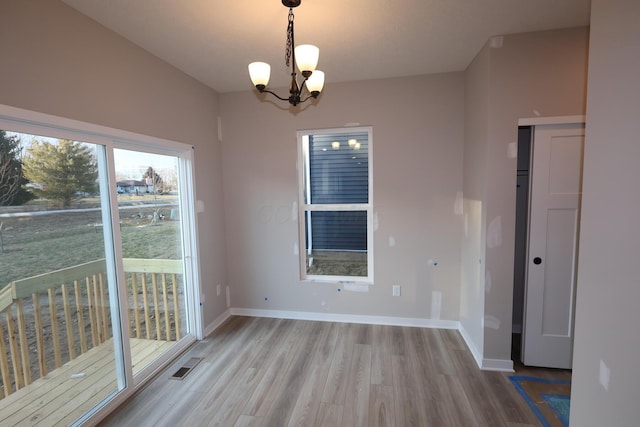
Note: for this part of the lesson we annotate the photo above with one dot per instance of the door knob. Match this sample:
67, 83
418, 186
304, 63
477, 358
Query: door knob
537, 260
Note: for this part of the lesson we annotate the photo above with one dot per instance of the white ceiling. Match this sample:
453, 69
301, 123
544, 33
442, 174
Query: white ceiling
214, 40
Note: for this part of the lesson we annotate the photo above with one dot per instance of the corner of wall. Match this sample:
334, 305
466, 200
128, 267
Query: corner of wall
208, 330
475, 352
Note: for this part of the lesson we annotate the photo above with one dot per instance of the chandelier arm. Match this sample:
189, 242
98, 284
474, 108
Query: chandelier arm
311, 95
274, 94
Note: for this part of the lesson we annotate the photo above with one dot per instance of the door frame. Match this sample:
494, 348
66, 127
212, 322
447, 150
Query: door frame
533, 122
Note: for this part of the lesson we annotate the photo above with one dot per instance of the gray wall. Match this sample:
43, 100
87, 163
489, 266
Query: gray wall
476, 148
59, 62
417, 172
532, 73
425, 134
607, 315
417, 152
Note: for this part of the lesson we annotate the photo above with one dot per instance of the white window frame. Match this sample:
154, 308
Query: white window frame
304, 208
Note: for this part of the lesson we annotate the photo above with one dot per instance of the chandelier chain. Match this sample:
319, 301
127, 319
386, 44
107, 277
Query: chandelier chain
287, 54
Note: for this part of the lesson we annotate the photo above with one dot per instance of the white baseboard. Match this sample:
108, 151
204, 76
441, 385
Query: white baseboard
484, 364
501, 365
216, 323
347, 318
477, 354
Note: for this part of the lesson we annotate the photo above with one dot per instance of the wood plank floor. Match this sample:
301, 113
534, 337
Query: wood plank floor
275, 372
59, 399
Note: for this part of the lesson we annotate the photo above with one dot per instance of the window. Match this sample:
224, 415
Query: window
335, 214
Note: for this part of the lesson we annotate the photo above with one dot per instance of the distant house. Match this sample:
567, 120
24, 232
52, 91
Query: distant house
131, 186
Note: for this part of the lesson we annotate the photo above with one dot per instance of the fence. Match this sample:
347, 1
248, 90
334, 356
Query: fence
50, 319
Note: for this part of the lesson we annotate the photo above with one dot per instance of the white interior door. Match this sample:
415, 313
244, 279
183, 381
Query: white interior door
556, 180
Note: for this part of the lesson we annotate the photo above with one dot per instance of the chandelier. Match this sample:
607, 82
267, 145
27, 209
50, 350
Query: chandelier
304, 56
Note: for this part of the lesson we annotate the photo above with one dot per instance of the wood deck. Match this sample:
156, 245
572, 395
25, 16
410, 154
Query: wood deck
60, 398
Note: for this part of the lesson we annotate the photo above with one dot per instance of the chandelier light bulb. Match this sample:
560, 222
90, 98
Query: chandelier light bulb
259, 73
315, 82
307, 58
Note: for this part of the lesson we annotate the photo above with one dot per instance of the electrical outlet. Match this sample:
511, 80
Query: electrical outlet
218, 289
396, 290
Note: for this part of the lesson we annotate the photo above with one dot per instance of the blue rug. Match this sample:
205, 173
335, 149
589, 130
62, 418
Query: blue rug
548, 399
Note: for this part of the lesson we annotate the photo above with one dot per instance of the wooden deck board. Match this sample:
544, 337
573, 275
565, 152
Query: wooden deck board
60, 398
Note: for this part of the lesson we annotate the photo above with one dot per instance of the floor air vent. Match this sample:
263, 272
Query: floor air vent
186, 368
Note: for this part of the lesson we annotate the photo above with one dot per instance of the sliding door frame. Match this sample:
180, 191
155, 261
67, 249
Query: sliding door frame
29, 122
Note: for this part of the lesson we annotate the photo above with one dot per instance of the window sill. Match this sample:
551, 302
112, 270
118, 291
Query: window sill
354, 285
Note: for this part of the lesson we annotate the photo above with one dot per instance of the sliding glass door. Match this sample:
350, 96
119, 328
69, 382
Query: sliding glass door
97, 271
151, 225
59, 318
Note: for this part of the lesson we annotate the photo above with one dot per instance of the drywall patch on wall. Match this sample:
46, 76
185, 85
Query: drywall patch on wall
494, 233
264, 214
356, 287
296, 250
512, 150
392, 241
496, 42
458, 205
282, 215
436, 305
465, 225
491, 322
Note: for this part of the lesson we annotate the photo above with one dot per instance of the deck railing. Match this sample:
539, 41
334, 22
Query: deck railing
50, 319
